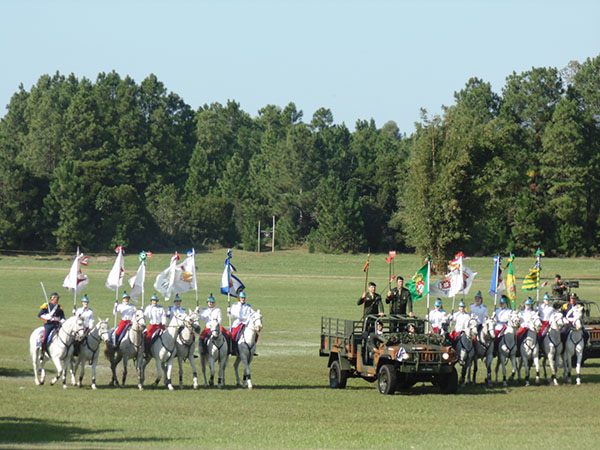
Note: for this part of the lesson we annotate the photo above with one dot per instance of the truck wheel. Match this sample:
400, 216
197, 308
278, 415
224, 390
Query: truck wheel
386, 380
449, 382
337, 376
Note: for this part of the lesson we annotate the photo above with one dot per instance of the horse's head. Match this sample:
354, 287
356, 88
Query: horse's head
215, 328
138, 320
472, 327
515, 319
77, 328
557, 321
577, 317
103, 332
255, 321
488, 327
193, 321
535, 324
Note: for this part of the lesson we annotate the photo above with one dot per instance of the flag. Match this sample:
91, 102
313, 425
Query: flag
458, 280
532, 280
511, 282
367, 264
177, 278
497, 284
419, 283
136, 282
75, 281
392, 254
230, 284
115, 277
164, 280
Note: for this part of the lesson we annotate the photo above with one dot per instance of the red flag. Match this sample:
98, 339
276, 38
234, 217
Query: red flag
389, 260
366, 265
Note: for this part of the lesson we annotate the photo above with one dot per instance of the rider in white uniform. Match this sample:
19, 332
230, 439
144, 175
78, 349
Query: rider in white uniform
86, 313
478, 309
502, 315
437, 317
545, 311
460, 320
526, 314
127, 311
175, 307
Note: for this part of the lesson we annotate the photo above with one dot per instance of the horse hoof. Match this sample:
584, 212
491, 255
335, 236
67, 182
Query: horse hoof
527, 383
64, 386
578, 383
171, 388
220, 386
94, 387
505, 384
140, 387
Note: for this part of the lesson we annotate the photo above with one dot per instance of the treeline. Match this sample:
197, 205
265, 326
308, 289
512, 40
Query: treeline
113, 162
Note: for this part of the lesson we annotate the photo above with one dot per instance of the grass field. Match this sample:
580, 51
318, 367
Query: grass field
292, 405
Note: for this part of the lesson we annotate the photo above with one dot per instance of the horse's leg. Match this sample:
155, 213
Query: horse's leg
236, 364
579, 353
159, 373
180, 362
193, 365
536, 364
81, 363
168, 372
489, 358
222, 366
203, 364
247, 364
35, 357
73, 367
124, 378
94, 363
211, 364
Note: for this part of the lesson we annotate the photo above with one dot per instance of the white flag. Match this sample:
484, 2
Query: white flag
457, 281
137, 282
115, 277
75, 280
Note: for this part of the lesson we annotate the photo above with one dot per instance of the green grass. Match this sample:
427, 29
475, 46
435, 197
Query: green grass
292, 405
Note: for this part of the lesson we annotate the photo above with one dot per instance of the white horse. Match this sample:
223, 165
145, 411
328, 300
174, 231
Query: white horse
164, 351
217, 349
552, 345
89, 350
507, 347
574, 346
131, 347
530, 350
185, 345
484, 349
465, 348
246, 345
60, 349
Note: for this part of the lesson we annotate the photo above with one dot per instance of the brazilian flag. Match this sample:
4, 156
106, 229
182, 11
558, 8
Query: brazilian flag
511, 282
532, 280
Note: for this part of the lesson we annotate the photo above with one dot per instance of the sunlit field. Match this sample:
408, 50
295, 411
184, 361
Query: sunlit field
292, 405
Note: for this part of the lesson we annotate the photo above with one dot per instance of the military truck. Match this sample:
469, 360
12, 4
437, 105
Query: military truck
396, 359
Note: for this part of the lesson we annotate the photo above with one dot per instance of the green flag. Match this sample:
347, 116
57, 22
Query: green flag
419, 283
511, 282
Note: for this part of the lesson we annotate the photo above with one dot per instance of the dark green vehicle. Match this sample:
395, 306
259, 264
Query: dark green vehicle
396, 359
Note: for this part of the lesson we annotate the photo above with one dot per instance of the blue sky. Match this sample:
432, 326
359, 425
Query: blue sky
362, 59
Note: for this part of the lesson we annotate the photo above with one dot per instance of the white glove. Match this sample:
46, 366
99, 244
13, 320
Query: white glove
74, 311
62, 320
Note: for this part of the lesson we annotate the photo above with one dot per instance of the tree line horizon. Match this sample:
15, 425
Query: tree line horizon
112, 162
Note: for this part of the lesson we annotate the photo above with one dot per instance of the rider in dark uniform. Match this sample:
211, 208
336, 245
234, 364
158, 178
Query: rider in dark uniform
372, 301
52, 314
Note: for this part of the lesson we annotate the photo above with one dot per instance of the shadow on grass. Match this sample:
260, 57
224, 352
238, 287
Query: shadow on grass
10, 372
17, 430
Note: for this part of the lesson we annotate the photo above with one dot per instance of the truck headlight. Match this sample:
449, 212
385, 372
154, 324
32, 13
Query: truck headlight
445, 356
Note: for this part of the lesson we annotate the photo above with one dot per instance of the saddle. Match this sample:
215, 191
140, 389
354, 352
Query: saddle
116, 340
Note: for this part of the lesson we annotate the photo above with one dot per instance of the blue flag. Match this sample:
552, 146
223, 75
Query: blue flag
230, 284
497, 284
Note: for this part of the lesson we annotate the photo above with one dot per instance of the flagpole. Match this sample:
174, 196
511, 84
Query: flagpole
366, 278
76, 280
428, 277
497, 276
144, 263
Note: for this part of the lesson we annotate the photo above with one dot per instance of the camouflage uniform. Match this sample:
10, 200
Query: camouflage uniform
373, 304
400, 299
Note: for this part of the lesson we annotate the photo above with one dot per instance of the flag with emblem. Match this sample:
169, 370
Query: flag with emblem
419, 283
137, 281
497, 283
76, 281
